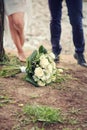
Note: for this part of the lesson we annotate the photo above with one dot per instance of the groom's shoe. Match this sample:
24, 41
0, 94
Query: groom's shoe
80, 59
57, 58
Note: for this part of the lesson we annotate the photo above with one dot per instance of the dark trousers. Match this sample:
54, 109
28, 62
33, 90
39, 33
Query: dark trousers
75, 15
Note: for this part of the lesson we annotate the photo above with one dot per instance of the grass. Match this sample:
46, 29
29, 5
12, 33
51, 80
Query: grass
73, 121
4, 100
43, 114
74, 111
10, 67
34, 114
62, 75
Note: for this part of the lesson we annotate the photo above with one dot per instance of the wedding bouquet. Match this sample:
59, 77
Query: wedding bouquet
41, 68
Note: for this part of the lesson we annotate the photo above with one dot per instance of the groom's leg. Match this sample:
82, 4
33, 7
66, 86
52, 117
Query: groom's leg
75, 14
55, 7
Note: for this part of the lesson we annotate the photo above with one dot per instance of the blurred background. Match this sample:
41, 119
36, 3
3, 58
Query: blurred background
37, 19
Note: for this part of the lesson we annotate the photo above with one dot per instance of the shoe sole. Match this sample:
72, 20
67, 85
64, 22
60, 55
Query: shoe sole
84, 64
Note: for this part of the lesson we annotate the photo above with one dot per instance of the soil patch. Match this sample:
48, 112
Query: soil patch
70, 96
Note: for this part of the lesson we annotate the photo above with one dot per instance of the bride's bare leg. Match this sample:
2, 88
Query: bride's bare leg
16, 23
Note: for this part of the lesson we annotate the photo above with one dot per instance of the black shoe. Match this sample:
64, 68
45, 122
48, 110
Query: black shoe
80, 59
57, 59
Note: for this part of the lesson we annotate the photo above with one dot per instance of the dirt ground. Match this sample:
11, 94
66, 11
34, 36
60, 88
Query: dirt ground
70, 96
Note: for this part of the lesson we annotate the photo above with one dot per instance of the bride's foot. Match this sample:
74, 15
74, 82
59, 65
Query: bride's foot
22, 57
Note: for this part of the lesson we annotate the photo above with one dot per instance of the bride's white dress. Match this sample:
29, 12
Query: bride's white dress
12, 6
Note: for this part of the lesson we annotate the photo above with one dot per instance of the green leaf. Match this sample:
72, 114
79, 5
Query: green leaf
28, 79
32, 56
42, 50
30, 60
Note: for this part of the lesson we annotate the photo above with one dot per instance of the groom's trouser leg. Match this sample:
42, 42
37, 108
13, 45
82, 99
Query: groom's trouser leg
75, 15
55, 7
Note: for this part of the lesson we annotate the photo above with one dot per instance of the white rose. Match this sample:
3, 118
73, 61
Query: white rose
48, 81
43, 78
40, 83
60, 70
54, 65
52, 55
42, 56
44, 62
39, 72
50, 69
48, 76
